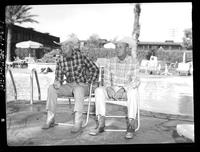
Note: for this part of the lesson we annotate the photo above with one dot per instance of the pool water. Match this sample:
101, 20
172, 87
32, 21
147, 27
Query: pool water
171, 95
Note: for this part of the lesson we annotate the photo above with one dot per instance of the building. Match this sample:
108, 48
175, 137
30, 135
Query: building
86, 43
20, 34
167, 45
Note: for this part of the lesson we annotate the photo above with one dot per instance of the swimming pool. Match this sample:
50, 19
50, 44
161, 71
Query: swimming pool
171, 95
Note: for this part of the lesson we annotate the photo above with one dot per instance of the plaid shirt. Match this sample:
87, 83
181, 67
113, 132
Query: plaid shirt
120, 73
77, 69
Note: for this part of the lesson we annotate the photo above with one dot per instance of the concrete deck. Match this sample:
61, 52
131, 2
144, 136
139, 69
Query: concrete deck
170, 97
24, 123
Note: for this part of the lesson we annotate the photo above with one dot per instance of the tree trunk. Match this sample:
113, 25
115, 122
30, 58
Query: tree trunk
136, 30
9, 41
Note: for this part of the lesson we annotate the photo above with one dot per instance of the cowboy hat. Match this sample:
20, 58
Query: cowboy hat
127, 40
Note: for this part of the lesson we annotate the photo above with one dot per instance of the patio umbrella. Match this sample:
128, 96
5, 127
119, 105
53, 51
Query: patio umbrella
29, 44
109, 46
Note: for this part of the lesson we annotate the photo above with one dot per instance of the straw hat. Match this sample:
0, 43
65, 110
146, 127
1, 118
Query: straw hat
127, 40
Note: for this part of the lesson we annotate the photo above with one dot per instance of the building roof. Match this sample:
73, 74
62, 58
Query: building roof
32, 29
159, 43
45, 38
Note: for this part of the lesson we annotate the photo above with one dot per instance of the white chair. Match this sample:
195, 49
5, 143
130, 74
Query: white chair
153, 64
121, 103
144, 65
9, 64
183, 68
87, 99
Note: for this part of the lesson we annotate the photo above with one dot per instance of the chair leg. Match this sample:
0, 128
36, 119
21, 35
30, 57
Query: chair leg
138, 117
89, 105
87, 117
88, 113
138, 111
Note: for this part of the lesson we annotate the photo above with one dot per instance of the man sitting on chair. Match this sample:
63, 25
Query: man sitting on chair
74, 66
120, 82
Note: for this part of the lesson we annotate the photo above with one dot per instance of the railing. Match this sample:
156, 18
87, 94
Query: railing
13, 82
38, 85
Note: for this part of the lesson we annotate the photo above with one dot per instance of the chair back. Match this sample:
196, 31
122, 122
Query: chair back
144, 63
183, 67
101, 63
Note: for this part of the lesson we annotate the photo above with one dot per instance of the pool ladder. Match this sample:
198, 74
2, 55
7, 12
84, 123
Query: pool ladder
13, 82
33, 71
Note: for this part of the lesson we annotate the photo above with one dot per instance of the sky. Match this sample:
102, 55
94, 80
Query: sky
159, 21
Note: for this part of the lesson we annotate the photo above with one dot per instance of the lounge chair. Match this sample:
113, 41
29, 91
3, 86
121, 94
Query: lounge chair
184, 68
144, 65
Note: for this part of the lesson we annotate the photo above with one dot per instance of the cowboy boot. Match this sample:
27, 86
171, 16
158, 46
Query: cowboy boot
131, 123
96, 122
100, 126
50, 120
78, 122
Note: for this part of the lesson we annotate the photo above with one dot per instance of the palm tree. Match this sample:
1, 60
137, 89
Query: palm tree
16, 14
136, 27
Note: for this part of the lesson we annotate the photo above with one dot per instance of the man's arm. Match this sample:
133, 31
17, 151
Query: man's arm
133, 79
107, 74
58, 71
133, 84
92, 68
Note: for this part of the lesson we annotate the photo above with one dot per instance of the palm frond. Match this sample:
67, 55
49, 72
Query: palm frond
26, 8
27, 20
19, 14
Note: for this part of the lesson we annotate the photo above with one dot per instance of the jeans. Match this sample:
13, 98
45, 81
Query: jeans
69, 89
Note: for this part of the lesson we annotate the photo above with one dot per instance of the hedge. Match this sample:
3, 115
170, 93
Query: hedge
168, 56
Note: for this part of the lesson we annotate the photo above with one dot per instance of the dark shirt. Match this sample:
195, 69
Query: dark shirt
78, 68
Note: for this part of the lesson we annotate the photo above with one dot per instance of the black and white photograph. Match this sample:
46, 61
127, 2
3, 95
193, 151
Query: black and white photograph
99, 74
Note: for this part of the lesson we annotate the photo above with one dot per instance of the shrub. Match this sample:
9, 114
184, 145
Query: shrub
94, 53
168, 56
50, 57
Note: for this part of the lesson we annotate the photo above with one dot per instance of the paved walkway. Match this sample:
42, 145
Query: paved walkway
24, 123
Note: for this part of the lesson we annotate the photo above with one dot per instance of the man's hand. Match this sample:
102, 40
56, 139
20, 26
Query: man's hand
119, 94
56, 84
110, 92
94, 86
135, 83
129, 79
